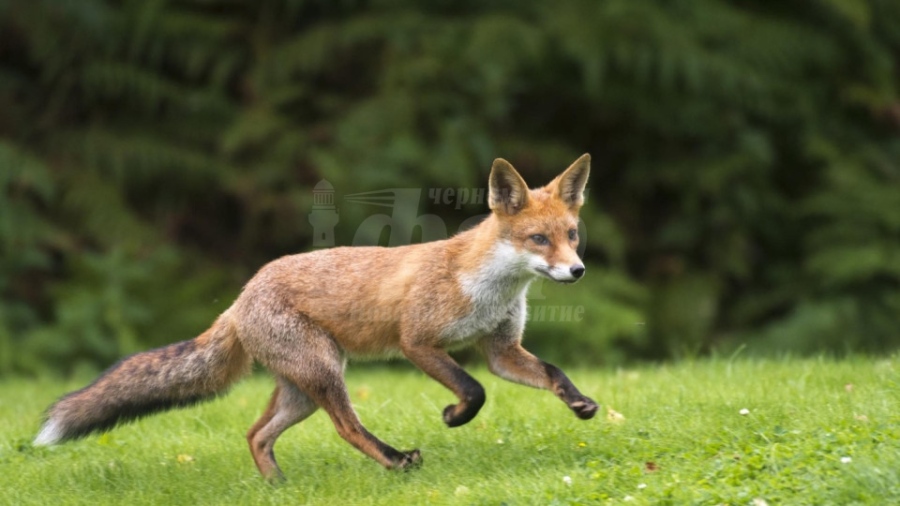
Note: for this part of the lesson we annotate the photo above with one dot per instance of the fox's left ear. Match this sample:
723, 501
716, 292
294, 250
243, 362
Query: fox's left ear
570, 184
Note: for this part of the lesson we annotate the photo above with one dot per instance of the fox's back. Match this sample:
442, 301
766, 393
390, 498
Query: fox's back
360, 295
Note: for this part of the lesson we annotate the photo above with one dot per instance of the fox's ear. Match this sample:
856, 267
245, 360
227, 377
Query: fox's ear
507, 191
570, 184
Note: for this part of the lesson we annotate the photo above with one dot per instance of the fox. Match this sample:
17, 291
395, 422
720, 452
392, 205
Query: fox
303, 316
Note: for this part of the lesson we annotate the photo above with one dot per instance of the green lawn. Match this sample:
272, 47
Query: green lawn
817, 432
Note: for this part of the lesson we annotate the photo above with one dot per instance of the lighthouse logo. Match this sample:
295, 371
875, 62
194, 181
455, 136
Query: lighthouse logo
324, 215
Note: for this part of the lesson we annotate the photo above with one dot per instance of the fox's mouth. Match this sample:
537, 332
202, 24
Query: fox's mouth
546, 273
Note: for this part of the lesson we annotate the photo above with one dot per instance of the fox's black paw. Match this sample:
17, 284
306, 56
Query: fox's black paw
410, 460
452, 419
584, 408
462, 413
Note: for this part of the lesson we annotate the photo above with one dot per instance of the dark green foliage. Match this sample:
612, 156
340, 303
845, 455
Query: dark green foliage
154, 153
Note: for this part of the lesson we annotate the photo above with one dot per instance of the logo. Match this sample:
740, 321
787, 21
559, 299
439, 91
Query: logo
324, 215
404, 219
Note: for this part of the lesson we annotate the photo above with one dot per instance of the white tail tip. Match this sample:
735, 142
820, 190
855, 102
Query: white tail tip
50, 434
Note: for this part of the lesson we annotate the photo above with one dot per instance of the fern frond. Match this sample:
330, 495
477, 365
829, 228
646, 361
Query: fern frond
147, 90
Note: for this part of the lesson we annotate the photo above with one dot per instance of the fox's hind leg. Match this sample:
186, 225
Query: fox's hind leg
289, 406
330, 393
307, 357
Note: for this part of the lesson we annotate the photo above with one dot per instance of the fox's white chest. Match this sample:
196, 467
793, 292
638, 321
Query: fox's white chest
496, 292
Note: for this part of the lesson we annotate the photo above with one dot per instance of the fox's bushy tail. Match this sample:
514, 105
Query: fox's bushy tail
177, 375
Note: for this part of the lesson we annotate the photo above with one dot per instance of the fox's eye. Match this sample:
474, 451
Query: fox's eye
573, 234
540, 239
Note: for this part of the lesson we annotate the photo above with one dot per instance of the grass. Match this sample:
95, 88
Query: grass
817, 432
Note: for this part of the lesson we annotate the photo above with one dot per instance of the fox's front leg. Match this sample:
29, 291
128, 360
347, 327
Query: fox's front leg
507, 359
438, 364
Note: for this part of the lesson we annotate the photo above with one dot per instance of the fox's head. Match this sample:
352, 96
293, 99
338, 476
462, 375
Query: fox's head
541, 224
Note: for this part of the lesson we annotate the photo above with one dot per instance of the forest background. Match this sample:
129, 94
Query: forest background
745, 192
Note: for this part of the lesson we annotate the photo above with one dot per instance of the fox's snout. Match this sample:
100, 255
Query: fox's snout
577, 271
570, 275
560, 273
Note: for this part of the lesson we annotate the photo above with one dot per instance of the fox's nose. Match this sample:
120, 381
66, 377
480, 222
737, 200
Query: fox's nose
577, 271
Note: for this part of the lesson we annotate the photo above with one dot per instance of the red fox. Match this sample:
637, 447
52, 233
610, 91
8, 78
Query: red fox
302, 316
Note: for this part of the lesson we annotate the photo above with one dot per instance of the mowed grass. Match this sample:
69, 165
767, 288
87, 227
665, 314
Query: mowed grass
817, 432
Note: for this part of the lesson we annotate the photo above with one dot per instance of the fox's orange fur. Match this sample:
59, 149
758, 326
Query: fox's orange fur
303, 315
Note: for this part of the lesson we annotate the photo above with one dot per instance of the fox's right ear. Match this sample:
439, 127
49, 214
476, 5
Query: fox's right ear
507, 191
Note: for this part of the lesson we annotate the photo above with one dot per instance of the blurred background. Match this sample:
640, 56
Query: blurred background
745, 192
